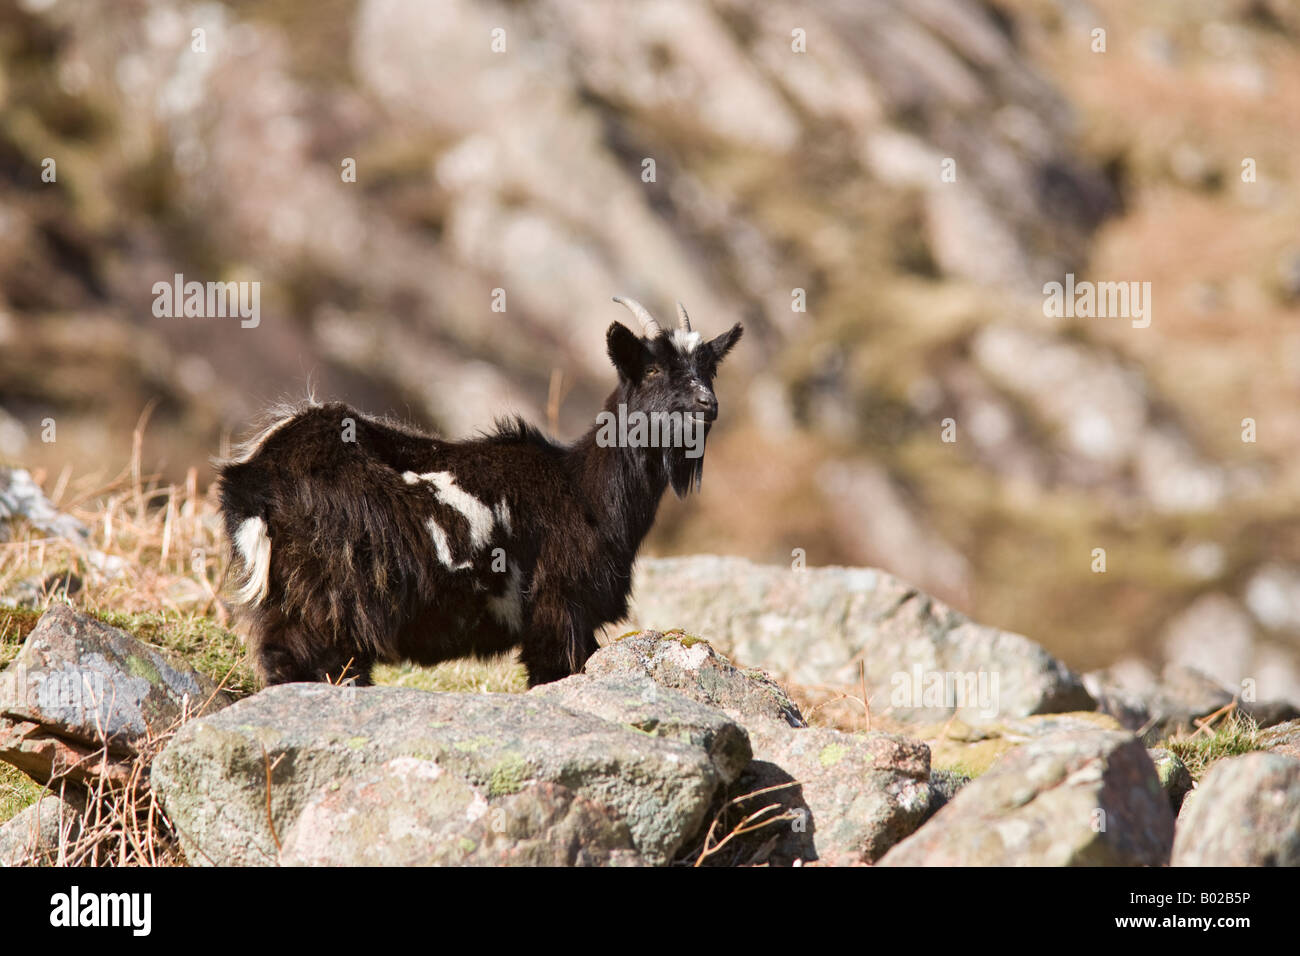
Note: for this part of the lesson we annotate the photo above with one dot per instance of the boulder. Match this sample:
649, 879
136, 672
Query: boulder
643, 705
1282, 739
972, 749
21, 499
407, 812
691, 666
81, 697
838, 797
391, 775
813, 626
1246, 813
34, 835
1077, 799
1190, 799
848, 798
1163, 704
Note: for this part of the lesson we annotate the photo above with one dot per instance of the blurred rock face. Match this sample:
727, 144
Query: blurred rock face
506, 146
439, 198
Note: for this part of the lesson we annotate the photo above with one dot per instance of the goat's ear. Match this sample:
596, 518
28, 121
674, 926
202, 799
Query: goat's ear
725, 342
625, 351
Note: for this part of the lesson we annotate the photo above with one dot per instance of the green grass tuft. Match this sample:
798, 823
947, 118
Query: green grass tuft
501, 675
17, 791
1237, 735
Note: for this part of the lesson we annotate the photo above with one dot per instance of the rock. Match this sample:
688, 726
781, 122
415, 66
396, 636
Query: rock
1246, 813
545, 825
813, 626
1077, 799
1175, 778
35, 834
1156, 705
22, 499
691, 666
1122, 691
972, 749
640, 703
944, 785
1267, 713
1215, 636
1283, 739
1169, 703
401, 776
37, 592
856, 794
81, 696
408, 813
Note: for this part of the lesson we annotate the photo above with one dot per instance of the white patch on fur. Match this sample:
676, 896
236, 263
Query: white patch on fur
254, 546
476, 513
509, 607
686, 341
442, 546
502, 511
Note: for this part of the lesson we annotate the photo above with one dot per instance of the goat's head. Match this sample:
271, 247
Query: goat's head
670, 371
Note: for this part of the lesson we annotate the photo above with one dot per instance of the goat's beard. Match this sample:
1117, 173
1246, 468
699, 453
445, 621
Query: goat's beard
685, 474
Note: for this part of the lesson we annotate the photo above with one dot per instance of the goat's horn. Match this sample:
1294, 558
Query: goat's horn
642, 314
683, 319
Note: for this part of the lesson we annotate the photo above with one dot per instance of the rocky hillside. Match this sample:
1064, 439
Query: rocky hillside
801, 182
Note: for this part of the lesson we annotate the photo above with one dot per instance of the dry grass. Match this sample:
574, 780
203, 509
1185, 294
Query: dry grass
150, 546
121, 825
152, 563
121, 822
723, 834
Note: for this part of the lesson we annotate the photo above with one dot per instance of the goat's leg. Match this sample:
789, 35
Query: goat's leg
558, 643
276, 662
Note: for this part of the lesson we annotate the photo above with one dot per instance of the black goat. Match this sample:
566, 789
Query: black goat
361, 540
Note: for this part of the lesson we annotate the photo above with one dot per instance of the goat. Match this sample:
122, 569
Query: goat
361, 540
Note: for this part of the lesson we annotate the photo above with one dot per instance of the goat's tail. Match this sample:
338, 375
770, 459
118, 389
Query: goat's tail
243, 511
245, 493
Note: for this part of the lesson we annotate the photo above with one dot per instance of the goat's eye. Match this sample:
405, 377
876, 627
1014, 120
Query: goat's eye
652, 370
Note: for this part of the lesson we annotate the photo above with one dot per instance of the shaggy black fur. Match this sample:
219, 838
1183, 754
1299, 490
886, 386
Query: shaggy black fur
355, 574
